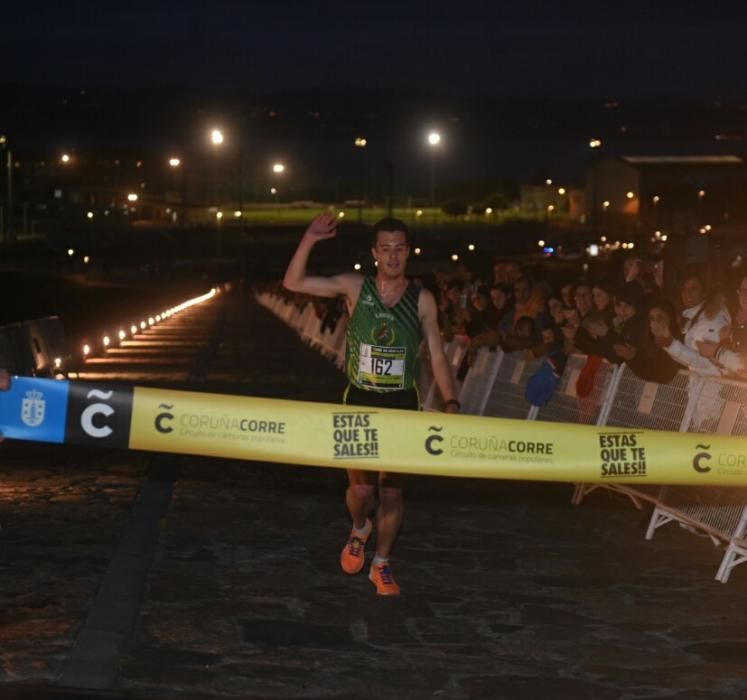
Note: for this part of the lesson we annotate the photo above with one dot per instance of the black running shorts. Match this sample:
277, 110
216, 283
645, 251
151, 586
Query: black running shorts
407, 398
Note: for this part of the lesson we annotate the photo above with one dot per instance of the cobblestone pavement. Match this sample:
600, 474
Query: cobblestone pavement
509, 591
61, 512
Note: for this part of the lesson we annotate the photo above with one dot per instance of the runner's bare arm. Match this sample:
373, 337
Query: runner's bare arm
439, 363
296, 279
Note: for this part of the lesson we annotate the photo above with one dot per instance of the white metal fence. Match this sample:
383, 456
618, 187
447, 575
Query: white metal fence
495, 386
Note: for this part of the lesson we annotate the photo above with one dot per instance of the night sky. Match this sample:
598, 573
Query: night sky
454, 48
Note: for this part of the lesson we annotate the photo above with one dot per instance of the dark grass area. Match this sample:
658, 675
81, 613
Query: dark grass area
88, 306
148, 269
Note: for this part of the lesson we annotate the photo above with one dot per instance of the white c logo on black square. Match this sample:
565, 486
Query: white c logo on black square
95, 409
98, 415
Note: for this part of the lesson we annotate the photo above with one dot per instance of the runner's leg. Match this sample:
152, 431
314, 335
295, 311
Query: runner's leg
389, 515
359, 497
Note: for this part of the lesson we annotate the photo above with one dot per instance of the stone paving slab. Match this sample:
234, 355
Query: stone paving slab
61, 510
509, 590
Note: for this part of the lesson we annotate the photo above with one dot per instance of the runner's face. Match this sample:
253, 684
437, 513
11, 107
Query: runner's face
390, 252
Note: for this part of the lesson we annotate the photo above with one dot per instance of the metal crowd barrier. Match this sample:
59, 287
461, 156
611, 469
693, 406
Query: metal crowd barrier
35, 348
495, 386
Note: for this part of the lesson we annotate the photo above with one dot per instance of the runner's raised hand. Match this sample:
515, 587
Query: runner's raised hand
323, 226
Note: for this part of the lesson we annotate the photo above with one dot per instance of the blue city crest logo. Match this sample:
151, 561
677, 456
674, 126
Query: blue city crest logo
33, 408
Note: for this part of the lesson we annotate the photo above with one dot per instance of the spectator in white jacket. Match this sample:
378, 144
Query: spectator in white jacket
731, 361
703, 319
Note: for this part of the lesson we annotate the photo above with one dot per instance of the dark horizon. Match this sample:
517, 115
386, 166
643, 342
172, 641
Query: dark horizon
479, 49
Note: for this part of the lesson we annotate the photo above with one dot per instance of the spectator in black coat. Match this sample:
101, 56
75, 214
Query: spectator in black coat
628, 334
656, 365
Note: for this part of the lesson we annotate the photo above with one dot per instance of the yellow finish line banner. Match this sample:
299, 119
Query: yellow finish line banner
331, 435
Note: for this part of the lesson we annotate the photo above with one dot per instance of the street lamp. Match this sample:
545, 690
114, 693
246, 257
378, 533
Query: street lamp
699, 207
274, 193
595, 144
278, 169
434, 140
216, 137
175, 163
360, 143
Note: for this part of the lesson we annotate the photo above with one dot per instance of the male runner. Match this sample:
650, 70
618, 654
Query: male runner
388, 318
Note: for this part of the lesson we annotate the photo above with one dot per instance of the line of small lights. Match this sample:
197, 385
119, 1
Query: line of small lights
147, 322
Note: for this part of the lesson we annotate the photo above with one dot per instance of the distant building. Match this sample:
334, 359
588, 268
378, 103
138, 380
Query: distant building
553, 201
680, 195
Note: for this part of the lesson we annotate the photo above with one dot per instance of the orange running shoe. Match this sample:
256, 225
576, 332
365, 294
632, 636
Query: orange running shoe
381, 576
353, 554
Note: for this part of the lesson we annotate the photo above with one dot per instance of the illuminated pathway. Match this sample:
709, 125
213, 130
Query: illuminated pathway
509, 591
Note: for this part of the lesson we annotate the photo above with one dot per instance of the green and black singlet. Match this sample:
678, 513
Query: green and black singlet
383, 343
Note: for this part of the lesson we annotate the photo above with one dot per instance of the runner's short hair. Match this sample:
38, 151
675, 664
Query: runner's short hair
390, 224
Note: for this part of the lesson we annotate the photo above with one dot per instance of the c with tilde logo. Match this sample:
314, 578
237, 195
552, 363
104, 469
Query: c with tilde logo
160, 423
99, 416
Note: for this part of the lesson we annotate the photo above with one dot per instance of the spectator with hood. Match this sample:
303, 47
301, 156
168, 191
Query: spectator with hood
597, 321
628, 336
655, 365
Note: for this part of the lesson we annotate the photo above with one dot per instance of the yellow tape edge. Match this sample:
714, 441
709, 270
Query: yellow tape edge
437, 444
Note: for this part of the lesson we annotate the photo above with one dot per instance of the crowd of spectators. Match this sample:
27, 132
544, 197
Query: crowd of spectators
625, 318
